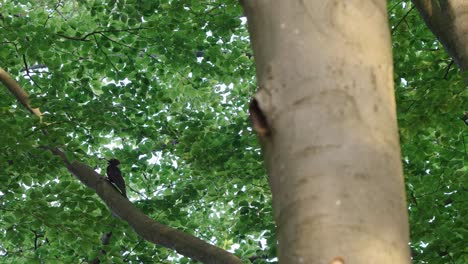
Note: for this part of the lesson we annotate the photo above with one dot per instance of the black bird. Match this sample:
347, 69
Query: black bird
115, 176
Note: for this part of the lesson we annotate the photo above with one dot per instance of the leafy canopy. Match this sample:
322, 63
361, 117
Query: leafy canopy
163, 86
431, 98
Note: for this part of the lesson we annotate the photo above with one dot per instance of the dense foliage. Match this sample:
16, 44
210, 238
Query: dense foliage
164, 86
161, 86
431, 99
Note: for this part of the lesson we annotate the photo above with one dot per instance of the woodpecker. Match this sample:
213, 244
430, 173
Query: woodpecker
115, 176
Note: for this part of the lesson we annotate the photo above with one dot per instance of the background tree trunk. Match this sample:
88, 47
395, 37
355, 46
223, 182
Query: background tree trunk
448, 20
325, 113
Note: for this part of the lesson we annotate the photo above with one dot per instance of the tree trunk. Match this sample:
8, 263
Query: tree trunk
448, 20
325, 114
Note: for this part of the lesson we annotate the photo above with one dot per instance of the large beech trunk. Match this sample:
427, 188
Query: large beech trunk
325, 114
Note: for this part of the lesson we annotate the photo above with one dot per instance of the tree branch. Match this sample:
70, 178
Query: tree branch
153, 231
84, 38
18, 92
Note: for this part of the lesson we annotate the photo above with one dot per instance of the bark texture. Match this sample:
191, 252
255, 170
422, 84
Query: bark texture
448, 20
326, 117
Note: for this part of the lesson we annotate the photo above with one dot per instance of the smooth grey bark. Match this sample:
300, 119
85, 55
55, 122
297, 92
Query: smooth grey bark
325, 115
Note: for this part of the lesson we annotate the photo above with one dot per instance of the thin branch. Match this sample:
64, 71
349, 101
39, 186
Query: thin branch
402, 19
84, 38
59, 4
393, 7
133, 249
28, 73
117, 42
105, 55
36, 237
139, 193
35, 67
448, 69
